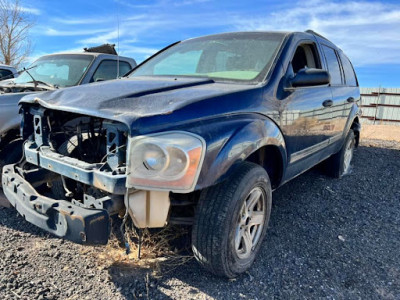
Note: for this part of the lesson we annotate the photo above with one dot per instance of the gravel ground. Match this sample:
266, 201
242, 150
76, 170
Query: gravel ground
336, 239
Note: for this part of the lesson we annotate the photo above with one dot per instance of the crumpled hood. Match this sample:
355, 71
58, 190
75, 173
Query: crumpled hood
128, 99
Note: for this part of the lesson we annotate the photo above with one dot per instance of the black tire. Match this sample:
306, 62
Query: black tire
10, 154
217, 221
335, 166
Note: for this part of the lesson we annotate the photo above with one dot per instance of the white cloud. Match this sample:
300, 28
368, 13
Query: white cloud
189, 2
129, 29
11, 5
30, 10
128, 4
82, 21
133, 50
76, 32
369, 32
107, 37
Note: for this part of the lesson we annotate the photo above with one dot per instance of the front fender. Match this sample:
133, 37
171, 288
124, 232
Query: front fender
238, 146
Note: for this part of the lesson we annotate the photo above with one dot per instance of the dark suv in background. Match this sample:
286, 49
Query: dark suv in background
199, 134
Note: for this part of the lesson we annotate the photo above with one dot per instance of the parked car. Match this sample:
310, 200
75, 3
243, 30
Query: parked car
201, 133
7, 72
53, 72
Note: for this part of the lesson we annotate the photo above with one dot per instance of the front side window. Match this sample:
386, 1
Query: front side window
333, 65
238, 57
305, 57
60, 70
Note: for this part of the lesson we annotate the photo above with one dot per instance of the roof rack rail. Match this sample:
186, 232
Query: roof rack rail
105, 49
317, 34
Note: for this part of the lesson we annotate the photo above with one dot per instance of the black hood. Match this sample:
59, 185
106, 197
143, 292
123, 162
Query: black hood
126, 100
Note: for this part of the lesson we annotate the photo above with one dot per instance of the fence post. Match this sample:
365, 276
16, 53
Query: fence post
377, 103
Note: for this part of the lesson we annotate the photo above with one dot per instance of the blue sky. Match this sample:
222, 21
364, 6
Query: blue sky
368, 31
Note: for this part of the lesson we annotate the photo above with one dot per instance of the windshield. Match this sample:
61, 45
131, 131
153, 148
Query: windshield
60, 70
235, 56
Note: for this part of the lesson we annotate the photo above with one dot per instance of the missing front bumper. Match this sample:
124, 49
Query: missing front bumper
75, 169
60, 217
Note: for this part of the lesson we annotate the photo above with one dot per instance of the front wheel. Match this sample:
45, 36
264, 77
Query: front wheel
231, 221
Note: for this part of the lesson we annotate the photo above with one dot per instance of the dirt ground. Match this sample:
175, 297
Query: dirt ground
381, 132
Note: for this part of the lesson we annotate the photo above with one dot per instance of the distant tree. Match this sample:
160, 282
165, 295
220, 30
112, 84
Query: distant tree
15, 23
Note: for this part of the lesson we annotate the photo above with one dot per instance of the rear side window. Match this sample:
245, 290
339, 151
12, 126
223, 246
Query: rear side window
333, 65
5, 73
349, 73
107, 70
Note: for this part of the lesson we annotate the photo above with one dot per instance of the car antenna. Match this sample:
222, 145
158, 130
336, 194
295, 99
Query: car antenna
117, 39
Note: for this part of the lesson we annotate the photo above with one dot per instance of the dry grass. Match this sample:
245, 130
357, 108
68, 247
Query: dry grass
161, 250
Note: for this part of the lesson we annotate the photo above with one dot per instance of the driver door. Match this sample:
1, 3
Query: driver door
306, 114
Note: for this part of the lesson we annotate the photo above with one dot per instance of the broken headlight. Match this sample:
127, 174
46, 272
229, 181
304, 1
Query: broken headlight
168, 161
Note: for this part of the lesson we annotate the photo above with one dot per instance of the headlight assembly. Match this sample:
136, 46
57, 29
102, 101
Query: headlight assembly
167, 161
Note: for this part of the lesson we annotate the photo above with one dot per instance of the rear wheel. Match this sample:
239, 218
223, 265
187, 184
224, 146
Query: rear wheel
231, 221
339, 164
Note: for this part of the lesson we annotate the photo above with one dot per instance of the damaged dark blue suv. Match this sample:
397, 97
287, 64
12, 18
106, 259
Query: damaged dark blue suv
199, 134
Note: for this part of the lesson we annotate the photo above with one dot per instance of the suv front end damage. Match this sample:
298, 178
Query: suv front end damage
75, 174
60, 217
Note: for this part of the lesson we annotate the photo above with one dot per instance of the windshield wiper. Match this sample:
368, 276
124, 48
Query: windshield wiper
37, 82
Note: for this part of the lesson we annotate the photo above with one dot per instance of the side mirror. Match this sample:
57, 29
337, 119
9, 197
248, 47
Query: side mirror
310, 77
99, 79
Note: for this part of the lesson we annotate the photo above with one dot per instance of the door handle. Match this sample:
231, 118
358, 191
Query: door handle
327, 103
350, 99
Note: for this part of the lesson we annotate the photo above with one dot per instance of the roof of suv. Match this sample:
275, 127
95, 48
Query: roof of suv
102, 50
308, 32
95, 54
